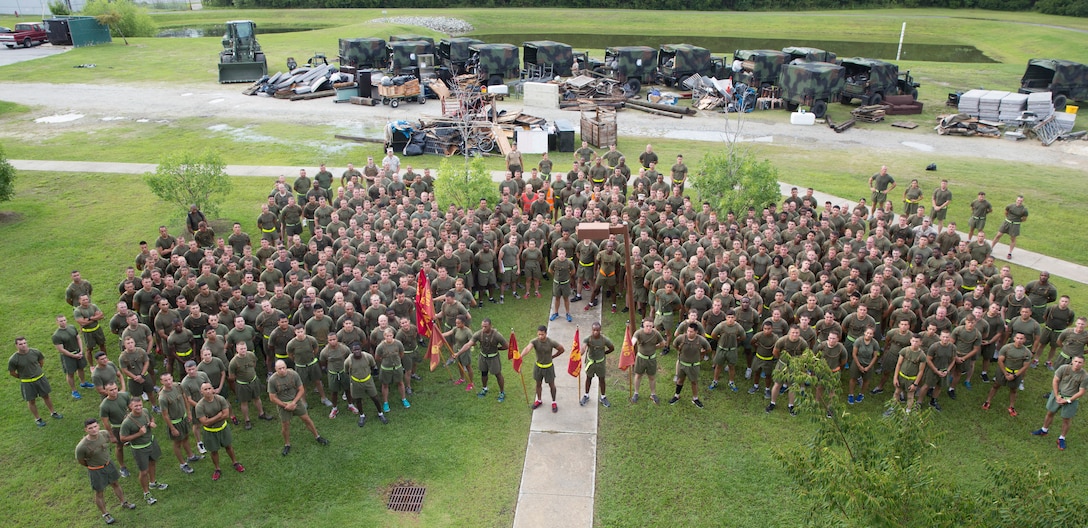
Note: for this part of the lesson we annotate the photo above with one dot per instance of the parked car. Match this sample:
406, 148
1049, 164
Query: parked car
26, 34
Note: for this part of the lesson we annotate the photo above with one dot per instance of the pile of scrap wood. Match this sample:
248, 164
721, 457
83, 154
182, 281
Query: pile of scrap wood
965, 125
840, 127
869, 113
601, 91
300, 83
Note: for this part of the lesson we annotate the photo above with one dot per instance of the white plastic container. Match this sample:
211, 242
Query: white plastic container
802, 118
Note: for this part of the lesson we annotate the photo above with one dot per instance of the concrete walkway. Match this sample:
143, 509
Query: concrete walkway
1057, 267
560, 473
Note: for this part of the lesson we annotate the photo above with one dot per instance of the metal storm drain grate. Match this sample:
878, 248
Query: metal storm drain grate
407, 498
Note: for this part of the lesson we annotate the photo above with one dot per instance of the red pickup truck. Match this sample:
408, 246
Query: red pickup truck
27, 34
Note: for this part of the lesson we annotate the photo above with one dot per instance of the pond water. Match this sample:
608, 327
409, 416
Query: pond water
217, 30
718, 45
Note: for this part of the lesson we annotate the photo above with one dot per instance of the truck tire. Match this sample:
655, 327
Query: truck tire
494, 80
632, 86
394, 103
914, 93
1060, 101
876, 99
792, 107
27, 42
845, 100
819, 108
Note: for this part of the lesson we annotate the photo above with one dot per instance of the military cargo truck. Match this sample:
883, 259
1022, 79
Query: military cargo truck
677, 62
758, 68
871, 80
363, 53
405, 53
402, 38
812, 84
454, 53
630, 65
1066, 80
494, 63
547, 56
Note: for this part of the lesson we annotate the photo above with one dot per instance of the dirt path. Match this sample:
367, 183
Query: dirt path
171, 102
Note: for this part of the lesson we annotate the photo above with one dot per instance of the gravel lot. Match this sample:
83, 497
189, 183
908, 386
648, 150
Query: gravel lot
169, 102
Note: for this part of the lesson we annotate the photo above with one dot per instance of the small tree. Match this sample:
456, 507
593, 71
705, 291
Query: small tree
188, 178
464, 186
7, 178
734, 180
124, 18
59, 8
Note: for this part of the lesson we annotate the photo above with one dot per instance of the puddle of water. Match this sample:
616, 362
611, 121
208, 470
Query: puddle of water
719, 45
59, 118
112, 118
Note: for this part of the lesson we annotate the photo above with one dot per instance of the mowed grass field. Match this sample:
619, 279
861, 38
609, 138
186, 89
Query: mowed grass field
656, 466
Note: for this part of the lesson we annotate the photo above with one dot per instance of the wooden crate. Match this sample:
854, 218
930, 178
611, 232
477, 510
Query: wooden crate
407, 89
599, 127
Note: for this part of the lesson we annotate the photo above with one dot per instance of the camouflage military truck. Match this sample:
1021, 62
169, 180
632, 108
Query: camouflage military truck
630, 65
363, 53
812, 84
405, 53
453, 53
494, 63
807, 54
758, 68
542, 55
403, 38
871, 80
1067, 80
677, 62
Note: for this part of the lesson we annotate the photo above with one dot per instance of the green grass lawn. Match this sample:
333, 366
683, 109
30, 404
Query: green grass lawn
458, 446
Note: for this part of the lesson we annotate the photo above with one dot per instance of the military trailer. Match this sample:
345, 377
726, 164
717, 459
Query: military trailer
547, 57
811, 84
453, 53
630, 65
807, 54
871, 80
1066, 80
363, 53
405, 53
494, 63
677, 62
758, 68
403, 38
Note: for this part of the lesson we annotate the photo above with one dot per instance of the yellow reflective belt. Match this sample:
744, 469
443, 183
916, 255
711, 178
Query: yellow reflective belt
279, 356
263, 230
177, 421
312, 363
32, 380
247, 382
664, 313
764, 358
644, 356
184, 354
1009, 370
390, 369
90, 329
1064, 355
908, 377
586, 265
696, 364
590, 362
134, 446
543, 365
491, 356
364, 380
336, 372
216, 429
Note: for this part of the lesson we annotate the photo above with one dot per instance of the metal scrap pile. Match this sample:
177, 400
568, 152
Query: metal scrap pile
305, 82
593, 88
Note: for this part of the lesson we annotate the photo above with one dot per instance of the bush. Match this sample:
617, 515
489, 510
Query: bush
189, 178
735, 180
59, 8
7, 178
132, 20
464, 183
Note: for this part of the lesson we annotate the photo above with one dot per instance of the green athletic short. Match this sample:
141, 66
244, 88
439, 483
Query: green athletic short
1013, 384
183, 428
70, 364
214, 441
725, 356
33, 390
855, 372
248, 392
391, 376
688, 372
309, 374
146, 455
646, 366
490, 365
338, 382
408, 361
1010, 228
596, 369
300, 410
100, 478
532, 272
1066, 411
544, 374
561, 290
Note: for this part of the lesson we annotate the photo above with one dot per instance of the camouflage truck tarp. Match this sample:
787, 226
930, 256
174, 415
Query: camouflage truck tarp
677, 62
623, 62
1067, 80
363, 52
405, 53
808, 54
546, 53
812, 84
869, 80
404, 38
495, 62
759, 68
454, 52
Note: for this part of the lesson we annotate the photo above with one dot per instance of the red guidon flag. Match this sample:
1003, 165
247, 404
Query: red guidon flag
574, 366
627, 356
435, 350
514, 353
424, 306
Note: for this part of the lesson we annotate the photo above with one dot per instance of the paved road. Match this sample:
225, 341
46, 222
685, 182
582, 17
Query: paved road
19, 54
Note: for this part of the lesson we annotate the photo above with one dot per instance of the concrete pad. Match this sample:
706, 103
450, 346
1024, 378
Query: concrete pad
549, 511
559, 464
20, 54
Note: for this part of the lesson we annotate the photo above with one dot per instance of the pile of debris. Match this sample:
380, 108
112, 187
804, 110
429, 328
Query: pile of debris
869, 113
967, 125
305, 82
709, 92
592, 87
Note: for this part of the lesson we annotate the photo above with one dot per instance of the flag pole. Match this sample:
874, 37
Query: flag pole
521, 375
577, 395
434, 328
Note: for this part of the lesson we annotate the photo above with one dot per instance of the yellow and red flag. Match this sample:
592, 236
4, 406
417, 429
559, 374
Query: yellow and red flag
627, 356
514, 352
574, 366
435, 349
424, 306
